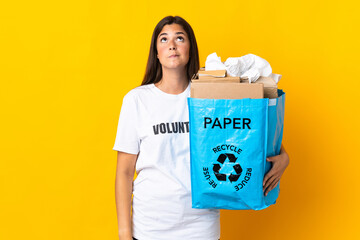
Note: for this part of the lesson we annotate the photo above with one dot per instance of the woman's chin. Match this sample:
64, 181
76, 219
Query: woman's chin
175, 67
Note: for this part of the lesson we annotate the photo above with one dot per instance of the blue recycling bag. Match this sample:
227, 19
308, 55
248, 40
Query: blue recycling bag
275, 132
229, 142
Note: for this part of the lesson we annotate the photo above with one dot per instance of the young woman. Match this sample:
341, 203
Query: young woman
153, 138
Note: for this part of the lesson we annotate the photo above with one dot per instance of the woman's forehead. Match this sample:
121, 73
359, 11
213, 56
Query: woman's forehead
172, 29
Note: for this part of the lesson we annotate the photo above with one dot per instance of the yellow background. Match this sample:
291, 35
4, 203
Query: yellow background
65, 66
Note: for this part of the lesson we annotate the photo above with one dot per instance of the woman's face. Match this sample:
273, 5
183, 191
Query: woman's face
173, 46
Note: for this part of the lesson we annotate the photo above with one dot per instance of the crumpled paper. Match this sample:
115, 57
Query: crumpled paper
248, 66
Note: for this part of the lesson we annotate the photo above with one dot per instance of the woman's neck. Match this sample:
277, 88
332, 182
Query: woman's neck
173, 81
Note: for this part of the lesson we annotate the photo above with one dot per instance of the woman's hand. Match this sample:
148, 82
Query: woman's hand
279, 164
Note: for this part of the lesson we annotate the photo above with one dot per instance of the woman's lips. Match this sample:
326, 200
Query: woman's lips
174, 56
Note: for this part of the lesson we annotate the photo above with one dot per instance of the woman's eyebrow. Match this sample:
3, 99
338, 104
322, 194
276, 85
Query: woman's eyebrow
177, 33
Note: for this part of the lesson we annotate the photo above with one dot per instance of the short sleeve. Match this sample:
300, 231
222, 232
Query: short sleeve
127, 137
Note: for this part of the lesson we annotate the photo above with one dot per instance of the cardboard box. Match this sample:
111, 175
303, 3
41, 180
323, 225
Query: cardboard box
221, 76
267, 81
214, 76
213, 73
230, 90
270, 86
218, 79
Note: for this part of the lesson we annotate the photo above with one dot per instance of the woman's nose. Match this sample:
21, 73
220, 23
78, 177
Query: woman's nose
172, 45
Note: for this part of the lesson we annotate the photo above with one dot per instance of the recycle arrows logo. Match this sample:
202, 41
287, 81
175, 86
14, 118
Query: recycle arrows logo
222, 176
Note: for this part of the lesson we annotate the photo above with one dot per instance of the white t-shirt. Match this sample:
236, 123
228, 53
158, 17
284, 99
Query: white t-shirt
155, 124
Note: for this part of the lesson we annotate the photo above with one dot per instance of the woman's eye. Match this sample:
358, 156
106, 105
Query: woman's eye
181, 39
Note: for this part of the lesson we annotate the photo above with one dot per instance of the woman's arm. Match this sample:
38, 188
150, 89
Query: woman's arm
279, 164
123, 191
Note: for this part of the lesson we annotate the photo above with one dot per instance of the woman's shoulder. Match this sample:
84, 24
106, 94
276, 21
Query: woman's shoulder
139, 91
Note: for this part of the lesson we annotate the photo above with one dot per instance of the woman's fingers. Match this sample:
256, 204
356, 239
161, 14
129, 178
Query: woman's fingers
272, 186
270, 174
268, 181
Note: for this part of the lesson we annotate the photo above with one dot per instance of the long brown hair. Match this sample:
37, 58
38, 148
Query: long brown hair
153, 73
